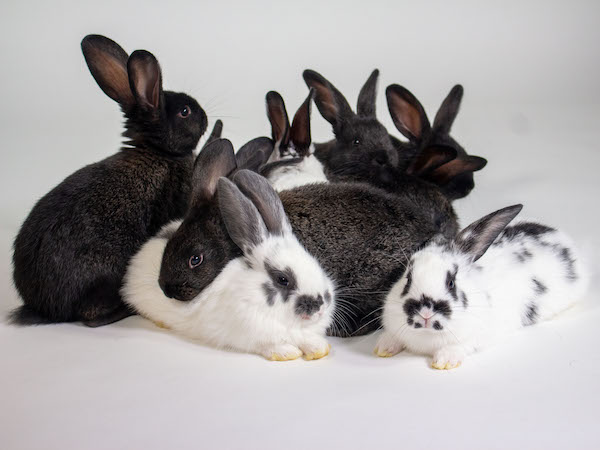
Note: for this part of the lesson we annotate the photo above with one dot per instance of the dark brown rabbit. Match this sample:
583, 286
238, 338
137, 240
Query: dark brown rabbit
72, 250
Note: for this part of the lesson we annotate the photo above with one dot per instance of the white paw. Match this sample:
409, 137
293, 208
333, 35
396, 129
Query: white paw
448, 358
388, 346
315, 348
282, 352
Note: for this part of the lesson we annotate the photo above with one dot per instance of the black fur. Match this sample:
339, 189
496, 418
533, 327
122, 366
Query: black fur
455, 177
529, 229
531, 314
451, 283
362, 149
277, 276
408, 283
538, 287
307, 305
72, 250
270, 292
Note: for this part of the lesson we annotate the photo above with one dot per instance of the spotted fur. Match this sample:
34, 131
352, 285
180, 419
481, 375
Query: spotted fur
488, 298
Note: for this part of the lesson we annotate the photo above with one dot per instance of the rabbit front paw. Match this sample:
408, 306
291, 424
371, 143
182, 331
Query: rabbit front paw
387, 346
315, 348
448, 358
282, 352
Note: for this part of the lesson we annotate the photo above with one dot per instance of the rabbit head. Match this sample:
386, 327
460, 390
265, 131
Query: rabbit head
156, 119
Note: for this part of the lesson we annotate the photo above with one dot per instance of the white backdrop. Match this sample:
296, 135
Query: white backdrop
530, 70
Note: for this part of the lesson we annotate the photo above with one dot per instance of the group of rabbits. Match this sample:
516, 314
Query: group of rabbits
273, 247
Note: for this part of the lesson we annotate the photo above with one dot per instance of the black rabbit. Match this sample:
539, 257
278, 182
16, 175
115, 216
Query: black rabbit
455, 177
362, 149
72, 250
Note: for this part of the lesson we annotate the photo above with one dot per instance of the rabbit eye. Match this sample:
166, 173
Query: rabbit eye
283, 280
185, 111
356, 142
195, 261
451, 284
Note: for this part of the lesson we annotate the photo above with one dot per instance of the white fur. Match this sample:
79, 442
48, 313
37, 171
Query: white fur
232, 312
309, 170
498, 288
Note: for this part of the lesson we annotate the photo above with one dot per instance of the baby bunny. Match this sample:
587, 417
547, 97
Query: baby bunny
362, 149
455, 178
72, 250
459, 295
292, 162
274, 300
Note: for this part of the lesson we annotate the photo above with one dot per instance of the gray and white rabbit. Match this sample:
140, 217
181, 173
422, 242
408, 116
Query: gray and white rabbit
460, 295
274, 300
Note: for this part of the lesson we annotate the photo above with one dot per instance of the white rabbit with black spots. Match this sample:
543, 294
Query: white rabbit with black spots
458, 296
275, 300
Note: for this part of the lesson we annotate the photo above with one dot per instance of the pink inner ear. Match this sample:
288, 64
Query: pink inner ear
146, 80
406, 116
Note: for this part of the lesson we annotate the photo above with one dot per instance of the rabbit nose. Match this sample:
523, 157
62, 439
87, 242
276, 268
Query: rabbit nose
307, 305
380, 160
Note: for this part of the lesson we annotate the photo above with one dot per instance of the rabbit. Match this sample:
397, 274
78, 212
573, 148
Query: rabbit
274, 300
71, 252
460, 295
361, 235
455, 178
292, 162
362, 149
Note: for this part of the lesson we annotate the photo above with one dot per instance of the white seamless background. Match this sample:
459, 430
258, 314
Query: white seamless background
530, 70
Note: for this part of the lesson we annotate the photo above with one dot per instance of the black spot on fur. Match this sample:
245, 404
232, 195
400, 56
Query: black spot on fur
437, 325
307, 305
442, 307
276, 275
408, 283
464, 300
451, 282
531, 314
327, 297
539, 287
270, 292
569, 262
418, 325
523, 255
411, 307
531, 229
410, 321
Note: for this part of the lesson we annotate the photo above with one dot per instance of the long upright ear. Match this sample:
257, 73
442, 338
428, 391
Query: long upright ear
448, 110
300, 131
107, 62
214, 134
266, 200
475, 239
367, 98
242, 220
443, 174
216, 160
407, 113
254, 154
331, 103
277, 114
429, 159
145, 79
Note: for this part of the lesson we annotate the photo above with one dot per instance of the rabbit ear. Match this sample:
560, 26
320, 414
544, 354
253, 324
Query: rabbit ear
331, 103
448, 110
254, 154
280, 124
145, 79
214, 134
477, 237
462, 164
107, 62
367, 97
429, 159
242, 220
300, 131
266, 200
407, 113
216, 160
